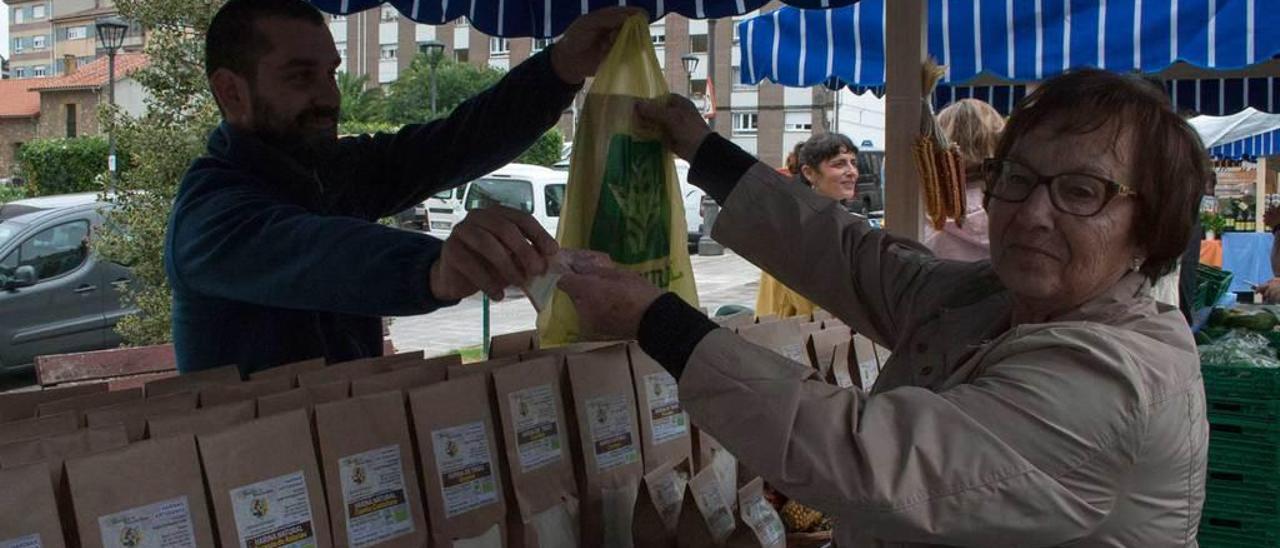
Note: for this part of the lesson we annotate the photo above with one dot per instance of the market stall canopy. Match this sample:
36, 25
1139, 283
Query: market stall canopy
1249, 133
548, 18
1027, 41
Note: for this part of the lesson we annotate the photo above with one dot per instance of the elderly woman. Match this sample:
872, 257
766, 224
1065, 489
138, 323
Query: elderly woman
975, 127
1039, 399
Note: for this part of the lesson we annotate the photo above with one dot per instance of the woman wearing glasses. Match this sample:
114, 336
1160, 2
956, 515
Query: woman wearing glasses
1039, 399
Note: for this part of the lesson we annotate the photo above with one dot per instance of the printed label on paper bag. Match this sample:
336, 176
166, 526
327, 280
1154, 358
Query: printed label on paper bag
716, 513
373, 492
29, 541
466, 469
610, 419
535, 418
165, 524
668, 496
870, 371
667, 418
764, 520
274, 513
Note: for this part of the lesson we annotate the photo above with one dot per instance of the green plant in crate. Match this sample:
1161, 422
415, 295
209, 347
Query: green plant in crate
1212, 222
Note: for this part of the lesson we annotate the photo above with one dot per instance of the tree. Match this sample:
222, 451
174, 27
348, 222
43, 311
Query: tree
409, 100
546, 150
163, 142
360, 104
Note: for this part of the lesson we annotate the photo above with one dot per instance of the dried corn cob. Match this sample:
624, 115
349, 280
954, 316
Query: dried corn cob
799, 518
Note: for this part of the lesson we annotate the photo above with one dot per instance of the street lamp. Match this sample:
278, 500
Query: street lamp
111, 33
434, 49
690, 64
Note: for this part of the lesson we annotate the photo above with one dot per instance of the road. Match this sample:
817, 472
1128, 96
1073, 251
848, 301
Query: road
725, 279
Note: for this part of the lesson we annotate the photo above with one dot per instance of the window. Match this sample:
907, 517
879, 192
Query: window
20, 72
19, 45
19, 15
498, 46
337, 18
540, 44
52, 252
507, 192
39, 42
746, 122
555, 199
77, 33
389, 13
40, 71
461, 55
736, 76
342, 52
798, 121
698, 43
698, 87
388, 52
37, 11
659, 36
71, 121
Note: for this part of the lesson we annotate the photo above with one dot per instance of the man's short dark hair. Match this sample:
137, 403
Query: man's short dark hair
1170, 165
233, 42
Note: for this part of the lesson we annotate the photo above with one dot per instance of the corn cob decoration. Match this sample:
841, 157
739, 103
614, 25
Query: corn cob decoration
941, 170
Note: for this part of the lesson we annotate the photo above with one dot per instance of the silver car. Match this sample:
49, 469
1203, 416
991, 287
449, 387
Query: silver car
55, 296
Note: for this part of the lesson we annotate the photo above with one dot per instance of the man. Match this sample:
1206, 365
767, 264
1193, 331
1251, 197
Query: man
1270, 289
274, 252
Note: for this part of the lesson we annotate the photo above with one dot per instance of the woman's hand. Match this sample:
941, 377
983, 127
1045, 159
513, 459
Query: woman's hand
677, 121
610, 302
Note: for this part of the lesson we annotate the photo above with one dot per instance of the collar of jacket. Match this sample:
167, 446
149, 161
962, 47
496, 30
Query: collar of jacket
244, 151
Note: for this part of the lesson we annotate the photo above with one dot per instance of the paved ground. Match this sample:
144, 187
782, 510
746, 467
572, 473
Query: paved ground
726, 279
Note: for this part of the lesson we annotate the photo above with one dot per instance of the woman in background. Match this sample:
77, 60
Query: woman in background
975, 127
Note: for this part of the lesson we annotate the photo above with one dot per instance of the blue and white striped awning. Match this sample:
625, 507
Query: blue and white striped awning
1223, 96
1266, 144
548, 18
1019, 40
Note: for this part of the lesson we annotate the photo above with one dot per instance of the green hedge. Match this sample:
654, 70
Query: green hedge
64, 166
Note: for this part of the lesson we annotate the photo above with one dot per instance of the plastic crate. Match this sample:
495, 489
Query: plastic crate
1211, 284
1241, 382
1230, 454
1219, 531
1228, 427
1259, 410
1238, 497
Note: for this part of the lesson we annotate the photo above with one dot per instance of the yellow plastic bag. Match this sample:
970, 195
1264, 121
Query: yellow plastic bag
623, 196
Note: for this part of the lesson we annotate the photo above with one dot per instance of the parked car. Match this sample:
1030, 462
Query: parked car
692, 197
55, 295
536, 190
870, 197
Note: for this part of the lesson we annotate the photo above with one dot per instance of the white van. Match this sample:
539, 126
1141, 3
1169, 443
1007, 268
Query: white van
535, 190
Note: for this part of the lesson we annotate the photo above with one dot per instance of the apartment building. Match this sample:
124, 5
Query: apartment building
766, 119
44, 35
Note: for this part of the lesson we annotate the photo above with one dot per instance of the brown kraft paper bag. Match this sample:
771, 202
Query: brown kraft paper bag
710, 455
513, 345
288, 371
305, 398
759, 525
28, 510
404, 379
605, 407
783, 337
568, 349
706, 518
664, 426
461, 463
201, 421
38, 427
53, 452
133, 415
150, 493
658, 506
218, 394
265, 483
22, 405
537, 443
356, 369
822, 347
480, 368
193, 381
442, 362
370, 477
79, 404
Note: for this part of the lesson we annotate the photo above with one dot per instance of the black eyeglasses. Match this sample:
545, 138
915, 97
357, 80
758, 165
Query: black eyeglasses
1078, 194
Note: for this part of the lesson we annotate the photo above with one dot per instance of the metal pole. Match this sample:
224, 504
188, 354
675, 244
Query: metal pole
707, 246
433, 87
111, 135
485, 307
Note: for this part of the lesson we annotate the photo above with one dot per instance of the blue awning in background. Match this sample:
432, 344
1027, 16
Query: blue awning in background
1266, 144
1019, 40
548, 18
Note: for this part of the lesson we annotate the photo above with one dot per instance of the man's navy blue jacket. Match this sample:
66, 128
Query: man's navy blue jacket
271, 262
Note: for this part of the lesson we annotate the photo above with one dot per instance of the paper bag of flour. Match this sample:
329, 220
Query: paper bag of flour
404, 379
79, 404
150, 493
201, 421
371, 479
664, 426
22, 405
485, 368
289, 370
624, 195
537, 443
658, 505
759, 525
822, 347
265, 483
133, 415
305, 398
512, 345
461, 463
605, 407
38, 427
193, 381
28, 511
706, 519
218, 394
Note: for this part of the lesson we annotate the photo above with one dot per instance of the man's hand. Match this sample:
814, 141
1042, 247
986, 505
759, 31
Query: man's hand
492, 249
587, 42
610, 302
1270, 291
678, 122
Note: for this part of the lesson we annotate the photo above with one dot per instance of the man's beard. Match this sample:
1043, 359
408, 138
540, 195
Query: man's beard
295, 137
